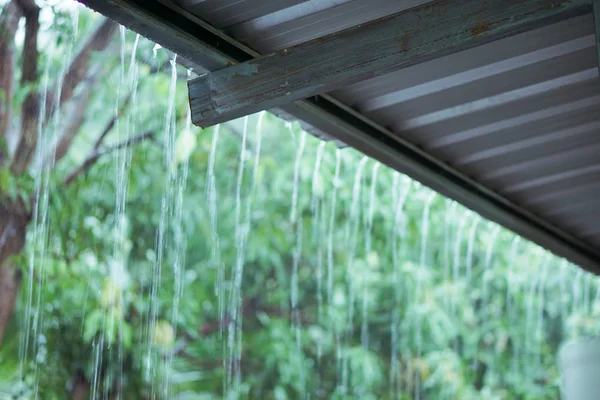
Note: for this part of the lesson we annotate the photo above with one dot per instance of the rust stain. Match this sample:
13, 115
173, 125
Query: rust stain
404, 41
405, 38
480, 27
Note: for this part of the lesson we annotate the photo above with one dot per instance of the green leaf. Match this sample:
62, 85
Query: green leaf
92, 324
5, 178
126, 335
111, 327
3, 145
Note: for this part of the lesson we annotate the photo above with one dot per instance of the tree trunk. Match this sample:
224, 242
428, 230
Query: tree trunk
80, 386
9, 22
13, 224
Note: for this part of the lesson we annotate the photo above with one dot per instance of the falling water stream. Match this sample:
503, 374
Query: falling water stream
36, 237
162, 241
372, 258
179, 246
486, 269
47, 139
354, 225
37, 267
537, 284
330, 260
393, 381
297, 165
319, 227
419, 291
399, 199
297, 254
212, 196
458, 241
425, 228
540, 313
234, 313
470, 245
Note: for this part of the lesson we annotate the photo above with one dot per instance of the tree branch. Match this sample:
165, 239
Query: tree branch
113, 121
96, 154
29, 75
122, 108
80, 386
79, 75
97, 40
75, 119
9, 22
81, 100
28, 6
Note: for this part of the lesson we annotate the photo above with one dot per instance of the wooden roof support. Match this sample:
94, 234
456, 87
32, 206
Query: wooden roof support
407, 38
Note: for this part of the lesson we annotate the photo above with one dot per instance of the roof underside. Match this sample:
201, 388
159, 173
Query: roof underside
518, 117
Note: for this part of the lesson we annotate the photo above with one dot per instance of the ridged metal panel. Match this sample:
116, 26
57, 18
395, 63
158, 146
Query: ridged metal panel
520, 115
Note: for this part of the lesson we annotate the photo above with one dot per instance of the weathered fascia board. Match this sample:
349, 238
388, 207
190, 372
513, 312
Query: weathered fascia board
398, 41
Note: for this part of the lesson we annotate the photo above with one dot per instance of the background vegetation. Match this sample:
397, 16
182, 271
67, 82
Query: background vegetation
141, 257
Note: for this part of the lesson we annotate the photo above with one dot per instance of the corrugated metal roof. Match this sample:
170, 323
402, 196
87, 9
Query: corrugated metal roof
520, 115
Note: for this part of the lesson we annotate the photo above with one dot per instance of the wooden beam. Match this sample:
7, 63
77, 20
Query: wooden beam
398, 41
